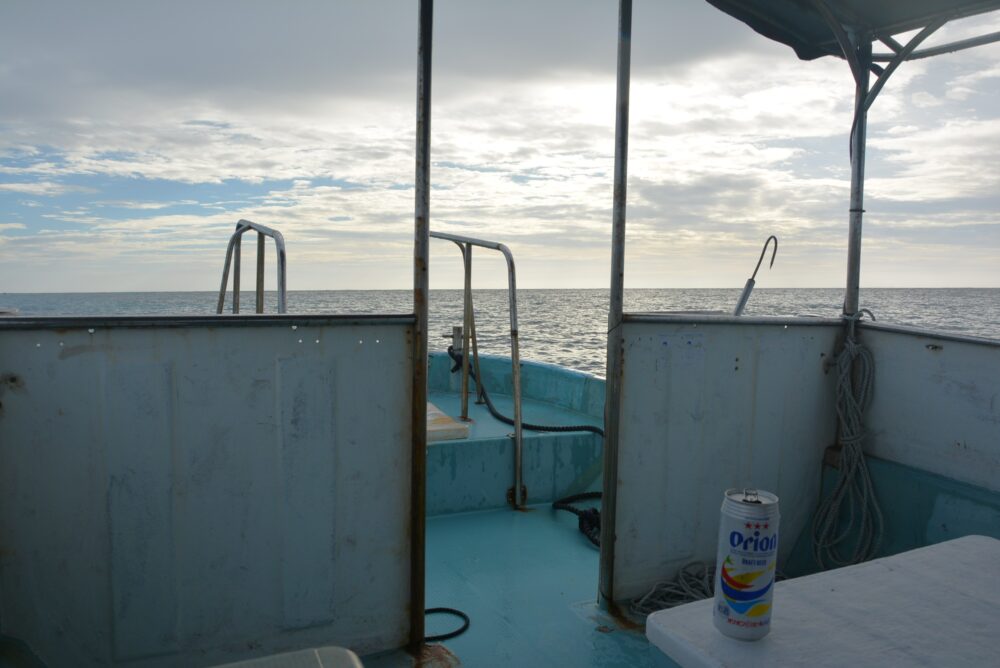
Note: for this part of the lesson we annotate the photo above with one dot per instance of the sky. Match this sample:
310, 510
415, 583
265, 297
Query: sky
133, 136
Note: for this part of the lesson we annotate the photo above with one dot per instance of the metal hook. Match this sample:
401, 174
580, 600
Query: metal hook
763, 251
748, 288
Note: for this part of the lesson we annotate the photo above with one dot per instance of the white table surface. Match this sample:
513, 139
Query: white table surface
934, 606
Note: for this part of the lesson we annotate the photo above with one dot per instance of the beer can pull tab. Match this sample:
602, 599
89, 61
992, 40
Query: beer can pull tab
751, 496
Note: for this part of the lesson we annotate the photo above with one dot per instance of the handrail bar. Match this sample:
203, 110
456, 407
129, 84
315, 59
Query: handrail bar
466, 244
242, 227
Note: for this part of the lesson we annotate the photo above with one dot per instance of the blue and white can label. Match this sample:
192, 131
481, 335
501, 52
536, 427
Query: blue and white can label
745, 564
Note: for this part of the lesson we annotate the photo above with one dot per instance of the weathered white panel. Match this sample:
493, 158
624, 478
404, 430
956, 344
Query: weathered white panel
306, 388
707, 406
54, 527
139, 504
187, 495
936, 404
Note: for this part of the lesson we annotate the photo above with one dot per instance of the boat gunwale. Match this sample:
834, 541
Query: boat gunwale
804, 321
929, 334
723, 319
193, 321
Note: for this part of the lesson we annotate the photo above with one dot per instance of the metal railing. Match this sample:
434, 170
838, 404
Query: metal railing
465, 244
235, 244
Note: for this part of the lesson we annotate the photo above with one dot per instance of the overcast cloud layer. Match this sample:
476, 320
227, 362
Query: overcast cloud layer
133, 136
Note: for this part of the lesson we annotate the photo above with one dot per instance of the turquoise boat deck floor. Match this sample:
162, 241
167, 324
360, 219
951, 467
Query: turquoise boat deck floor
482, 425
528, 581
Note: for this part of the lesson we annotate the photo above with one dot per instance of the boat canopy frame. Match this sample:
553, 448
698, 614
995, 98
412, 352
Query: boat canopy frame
810, 27
848, 29
813, 28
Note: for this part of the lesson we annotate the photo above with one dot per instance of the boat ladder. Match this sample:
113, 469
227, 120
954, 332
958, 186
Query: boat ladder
235, 241
518, 493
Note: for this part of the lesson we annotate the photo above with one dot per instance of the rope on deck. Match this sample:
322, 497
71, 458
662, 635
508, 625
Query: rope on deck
693, 582
588, 519
454, 612
848, 525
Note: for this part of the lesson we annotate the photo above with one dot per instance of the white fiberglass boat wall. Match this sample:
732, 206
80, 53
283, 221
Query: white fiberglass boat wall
177, 492
697, 404
936, 404
710, 403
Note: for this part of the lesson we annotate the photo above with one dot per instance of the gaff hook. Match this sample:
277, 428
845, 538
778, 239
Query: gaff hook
763, 251
748, 288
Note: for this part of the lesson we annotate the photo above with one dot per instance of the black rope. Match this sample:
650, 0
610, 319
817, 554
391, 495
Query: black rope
563, 504
457, 358
588, 519
451, 634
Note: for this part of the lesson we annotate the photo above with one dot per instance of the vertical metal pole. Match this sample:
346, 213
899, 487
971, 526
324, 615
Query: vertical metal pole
279, 246
475, 356
466, 328
612, 404
236, 272
515, 361
858, 140
260, 273
421, 252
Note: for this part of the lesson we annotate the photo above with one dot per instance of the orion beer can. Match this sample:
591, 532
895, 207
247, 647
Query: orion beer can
745, 565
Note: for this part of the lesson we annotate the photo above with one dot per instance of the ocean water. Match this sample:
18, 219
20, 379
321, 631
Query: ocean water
565, 327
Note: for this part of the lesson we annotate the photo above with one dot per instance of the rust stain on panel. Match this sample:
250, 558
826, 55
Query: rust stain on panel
435, 656
73, 351
12, 381
622, 620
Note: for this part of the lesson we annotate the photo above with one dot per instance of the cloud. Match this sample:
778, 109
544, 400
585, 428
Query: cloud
145, 206
148, 144
950, 161
42, 188
923, 99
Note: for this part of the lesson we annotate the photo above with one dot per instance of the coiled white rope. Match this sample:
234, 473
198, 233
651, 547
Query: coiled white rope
850, 509
694, 582
848, 525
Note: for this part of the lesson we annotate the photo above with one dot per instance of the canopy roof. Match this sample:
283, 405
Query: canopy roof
801, 26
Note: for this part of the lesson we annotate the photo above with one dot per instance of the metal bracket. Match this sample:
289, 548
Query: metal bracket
524, 496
